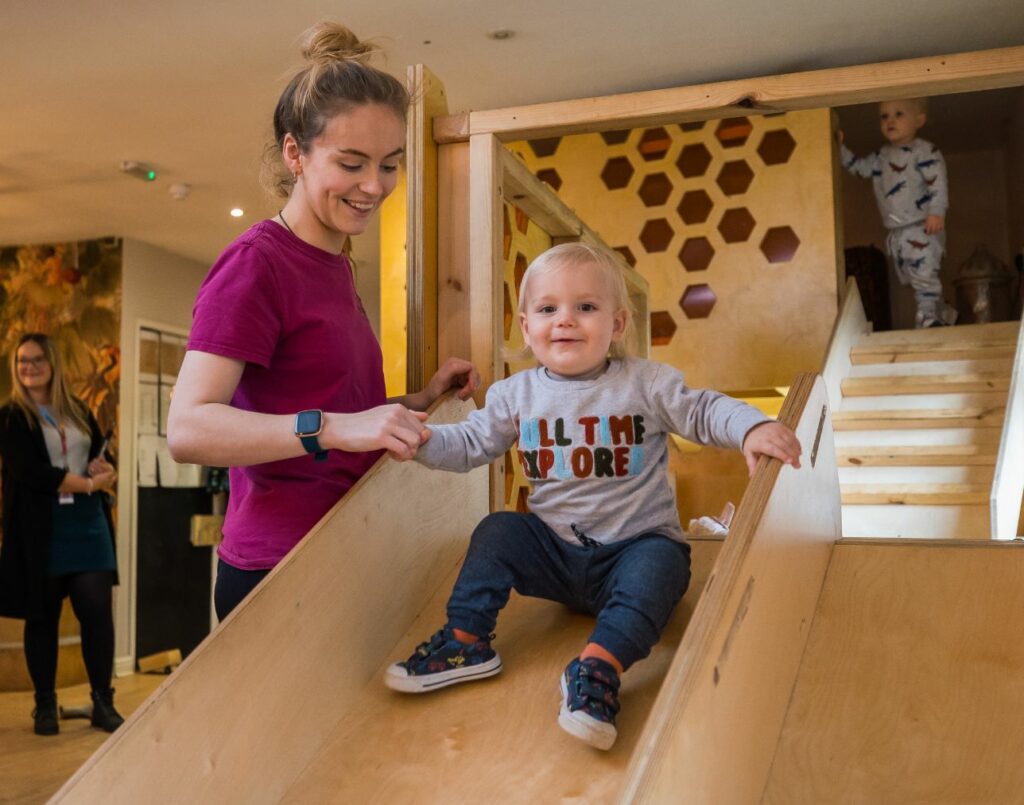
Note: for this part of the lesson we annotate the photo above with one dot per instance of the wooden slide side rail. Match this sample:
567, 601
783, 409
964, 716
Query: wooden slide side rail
1008, 482
714, 727
246, 711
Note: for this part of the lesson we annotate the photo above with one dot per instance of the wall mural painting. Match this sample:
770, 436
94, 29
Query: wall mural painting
71, 292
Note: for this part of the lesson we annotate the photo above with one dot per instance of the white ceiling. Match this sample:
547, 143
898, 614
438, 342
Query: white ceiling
189, 86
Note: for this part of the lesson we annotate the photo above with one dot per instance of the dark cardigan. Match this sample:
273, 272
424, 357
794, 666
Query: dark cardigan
30, 484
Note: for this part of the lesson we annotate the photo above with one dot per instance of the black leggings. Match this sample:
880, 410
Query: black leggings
232, 586
91, 600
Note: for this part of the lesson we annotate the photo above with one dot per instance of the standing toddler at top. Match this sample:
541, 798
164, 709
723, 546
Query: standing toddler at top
603, 535
909, 176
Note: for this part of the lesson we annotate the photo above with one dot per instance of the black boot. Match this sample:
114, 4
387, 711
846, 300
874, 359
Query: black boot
104, 715
45, 714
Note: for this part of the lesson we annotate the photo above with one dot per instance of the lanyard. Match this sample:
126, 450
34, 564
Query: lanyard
60, 429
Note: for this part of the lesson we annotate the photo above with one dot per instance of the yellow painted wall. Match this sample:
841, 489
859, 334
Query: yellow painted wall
393, 316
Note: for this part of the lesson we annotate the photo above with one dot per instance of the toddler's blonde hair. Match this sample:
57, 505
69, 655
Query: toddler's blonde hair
567, 256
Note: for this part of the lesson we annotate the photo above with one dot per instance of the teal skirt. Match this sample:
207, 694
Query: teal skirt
81, 537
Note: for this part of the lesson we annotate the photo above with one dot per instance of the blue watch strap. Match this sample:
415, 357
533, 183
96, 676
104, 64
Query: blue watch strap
312, 445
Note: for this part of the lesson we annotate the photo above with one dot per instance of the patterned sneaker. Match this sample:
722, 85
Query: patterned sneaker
443, 661
590, 700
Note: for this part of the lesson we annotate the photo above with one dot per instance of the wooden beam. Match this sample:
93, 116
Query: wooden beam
429, 102
453, 274
840, 86
486, 195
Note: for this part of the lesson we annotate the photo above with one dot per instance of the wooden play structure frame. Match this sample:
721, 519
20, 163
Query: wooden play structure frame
249, 710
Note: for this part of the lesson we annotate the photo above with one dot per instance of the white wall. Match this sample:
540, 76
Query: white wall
158, 287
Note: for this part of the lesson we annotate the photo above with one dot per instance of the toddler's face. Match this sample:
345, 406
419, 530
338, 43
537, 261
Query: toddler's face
570, 320
900, 121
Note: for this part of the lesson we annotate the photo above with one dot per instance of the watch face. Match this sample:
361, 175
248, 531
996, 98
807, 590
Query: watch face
308, 423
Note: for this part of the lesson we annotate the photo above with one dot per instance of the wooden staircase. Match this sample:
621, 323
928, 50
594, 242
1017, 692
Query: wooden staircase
918, 427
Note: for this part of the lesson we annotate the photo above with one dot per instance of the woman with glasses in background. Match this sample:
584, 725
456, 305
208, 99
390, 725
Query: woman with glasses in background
57, 531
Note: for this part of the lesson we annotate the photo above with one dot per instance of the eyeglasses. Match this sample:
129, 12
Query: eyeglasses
39, 360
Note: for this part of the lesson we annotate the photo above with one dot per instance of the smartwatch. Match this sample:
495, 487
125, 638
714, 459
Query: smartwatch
308, 425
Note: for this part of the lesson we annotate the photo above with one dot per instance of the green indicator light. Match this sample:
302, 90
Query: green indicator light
150, 176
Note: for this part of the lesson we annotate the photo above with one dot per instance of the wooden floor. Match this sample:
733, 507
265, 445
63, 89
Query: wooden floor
33, 767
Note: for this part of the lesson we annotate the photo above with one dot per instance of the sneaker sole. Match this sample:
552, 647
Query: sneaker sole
397, 678
598, 734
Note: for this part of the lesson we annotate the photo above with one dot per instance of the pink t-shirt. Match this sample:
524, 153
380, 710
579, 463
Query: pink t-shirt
290, 311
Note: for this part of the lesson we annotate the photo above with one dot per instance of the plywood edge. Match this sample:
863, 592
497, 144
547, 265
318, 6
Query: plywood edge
906, 78
713, 730
1008, 481
248, 708
851, 325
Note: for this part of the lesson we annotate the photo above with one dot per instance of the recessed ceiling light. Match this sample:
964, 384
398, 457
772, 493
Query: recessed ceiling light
237, 212
501, 33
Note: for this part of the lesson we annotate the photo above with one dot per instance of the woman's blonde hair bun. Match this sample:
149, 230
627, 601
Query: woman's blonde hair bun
332, 41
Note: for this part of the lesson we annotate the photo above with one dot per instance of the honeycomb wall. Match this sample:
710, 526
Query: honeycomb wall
731, 222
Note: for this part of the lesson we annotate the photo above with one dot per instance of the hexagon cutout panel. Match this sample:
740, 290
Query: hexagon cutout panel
662, 328
776, 147
733, 131
656, 235
545, 147
508, 312
695, 207
779, 244
735, 177
655, 190
693, 160
522, 221
695, 125
736, 225
506, 237
550, 175
617, 173
520, 270
615, 137
697, 301
654, 144
696, 254
627, 255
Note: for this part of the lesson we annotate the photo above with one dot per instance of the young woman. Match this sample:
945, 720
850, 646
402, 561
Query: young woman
57, 532
282, 361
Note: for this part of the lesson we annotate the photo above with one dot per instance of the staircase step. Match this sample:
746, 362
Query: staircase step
916, 522
971, 342
987, 417
925, 384
901, 475
915, 437
915, 494
907, 401
939, 367
918, 455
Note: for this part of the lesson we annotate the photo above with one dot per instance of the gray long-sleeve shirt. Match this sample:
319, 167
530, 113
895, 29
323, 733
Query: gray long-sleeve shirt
909, 181
595, 451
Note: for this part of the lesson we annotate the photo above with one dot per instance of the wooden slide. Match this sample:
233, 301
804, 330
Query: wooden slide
283, 702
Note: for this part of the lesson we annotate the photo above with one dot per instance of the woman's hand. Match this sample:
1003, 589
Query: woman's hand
771, 439
103, 481
390, 427
100, 465
454, 373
